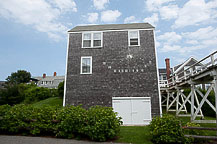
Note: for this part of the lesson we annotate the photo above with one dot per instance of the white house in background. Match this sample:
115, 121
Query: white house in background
49, 81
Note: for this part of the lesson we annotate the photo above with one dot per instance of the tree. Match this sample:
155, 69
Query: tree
13, 93
61, 89
21, 76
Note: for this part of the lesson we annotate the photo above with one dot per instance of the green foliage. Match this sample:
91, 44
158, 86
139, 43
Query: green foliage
166, 129
61, 89
102, 123
21, 76
98, 123
27, 119
73, 120
13, 93
36, 94
192, 131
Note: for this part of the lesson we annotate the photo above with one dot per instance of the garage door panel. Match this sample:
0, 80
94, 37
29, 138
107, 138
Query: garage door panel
123, 107
141, 112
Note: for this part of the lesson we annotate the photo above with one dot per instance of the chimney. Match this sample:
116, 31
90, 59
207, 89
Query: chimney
44, 75
55, 74
167, 60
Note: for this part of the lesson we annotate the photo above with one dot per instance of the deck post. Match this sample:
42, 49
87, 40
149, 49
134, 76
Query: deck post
177, 101
215, 91
192, 101
168, 99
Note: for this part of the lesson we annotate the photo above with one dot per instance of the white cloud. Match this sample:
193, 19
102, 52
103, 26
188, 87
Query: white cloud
38, 14
168, 48
65, 5
195, 12
169, 12
154, 5
170, 37
100, 4
192, 42
92, 17
131, 19
110, 15
202, 33
152, 20
210, 42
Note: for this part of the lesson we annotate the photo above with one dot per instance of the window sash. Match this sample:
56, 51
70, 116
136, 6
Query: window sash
133, 38
93, 40
86, 65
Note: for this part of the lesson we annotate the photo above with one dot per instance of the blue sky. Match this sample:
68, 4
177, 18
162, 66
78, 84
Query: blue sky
33, 33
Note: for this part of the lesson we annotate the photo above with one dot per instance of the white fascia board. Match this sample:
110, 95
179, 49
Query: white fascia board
64, 97
158, 83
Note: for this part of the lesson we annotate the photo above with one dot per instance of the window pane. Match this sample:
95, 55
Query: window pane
86, 65
134, 41
97, 36
133, 34
97, 43
87, 36
87, 43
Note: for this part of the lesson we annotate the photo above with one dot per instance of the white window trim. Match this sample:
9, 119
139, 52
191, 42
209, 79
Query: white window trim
90, 64
92, 32
129, 38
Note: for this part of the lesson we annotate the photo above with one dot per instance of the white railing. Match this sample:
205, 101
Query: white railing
200, 66
163, 83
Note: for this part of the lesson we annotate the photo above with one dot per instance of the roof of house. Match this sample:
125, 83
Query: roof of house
50, 78
111, 27
182, 65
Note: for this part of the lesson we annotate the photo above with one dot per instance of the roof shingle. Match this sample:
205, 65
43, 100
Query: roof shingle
111, 27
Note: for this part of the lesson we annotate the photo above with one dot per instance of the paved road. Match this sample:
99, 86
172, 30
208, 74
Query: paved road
41, 140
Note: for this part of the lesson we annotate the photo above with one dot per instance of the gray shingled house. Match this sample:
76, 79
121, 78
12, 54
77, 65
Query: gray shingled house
114, 65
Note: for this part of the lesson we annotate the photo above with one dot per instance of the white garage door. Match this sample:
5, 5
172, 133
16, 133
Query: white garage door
133, 110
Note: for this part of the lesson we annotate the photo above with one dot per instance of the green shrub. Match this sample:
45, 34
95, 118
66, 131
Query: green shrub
27, 119
3, 110
166, 129
72, 121
36, 94
61, 89
102, 123
15, 119
97, 123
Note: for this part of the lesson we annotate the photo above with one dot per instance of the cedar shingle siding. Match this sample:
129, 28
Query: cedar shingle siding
113, 74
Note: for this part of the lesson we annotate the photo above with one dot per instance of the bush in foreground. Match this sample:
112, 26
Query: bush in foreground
97, 123
166, 129
102, 123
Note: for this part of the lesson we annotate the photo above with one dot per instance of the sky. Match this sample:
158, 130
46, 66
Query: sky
33, 33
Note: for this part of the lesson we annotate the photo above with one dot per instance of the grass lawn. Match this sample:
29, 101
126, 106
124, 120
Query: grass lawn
134, 134
53, 101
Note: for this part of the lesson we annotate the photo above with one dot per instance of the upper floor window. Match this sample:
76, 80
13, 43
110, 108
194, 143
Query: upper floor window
92, 39
86, 65
133, 38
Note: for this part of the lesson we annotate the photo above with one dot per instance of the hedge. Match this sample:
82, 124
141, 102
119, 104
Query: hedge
98, 123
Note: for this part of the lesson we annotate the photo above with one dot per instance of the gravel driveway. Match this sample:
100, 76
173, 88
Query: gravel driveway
41, 140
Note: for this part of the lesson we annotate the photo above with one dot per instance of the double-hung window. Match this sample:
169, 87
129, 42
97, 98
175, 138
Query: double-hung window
133, 38
86, 65
92, 39
87, 40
